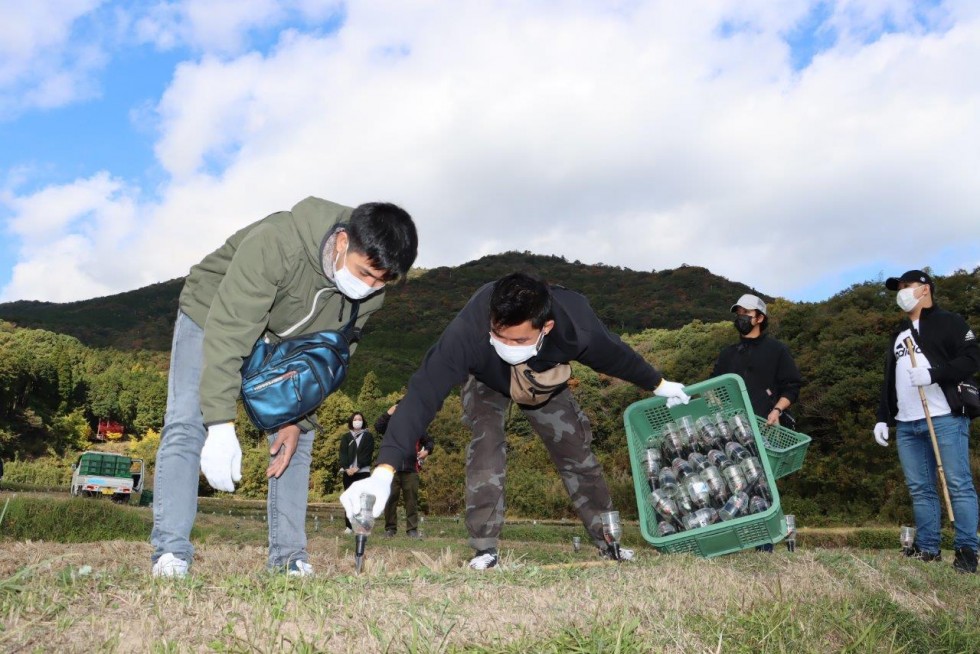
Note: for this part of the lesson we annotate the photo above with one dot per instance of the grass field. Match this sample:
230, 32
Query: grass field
417, 596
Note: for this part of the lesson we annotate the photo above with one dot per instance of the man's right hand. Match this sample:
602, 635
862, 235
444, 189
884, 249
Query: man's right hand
881, 433
221, 457
378, 484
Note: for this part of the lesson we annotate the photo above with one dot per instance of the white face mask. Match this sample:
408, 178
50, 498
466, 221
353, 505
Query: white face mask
357, 423
350, 284
514, 354
906, 299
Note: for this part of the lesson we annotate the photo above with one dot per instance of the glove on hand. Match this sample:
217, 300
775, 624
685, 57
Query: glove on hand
673, 391
378, 484
920, 376
881, 433
221, 457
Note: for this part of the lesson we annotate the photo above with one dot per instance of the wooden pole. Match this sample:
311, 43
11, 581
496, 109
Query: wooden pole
910, 346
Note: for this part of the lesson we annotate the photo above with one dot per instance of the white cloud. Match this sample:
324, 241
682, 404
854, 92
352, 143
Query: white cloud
223, 26
636, 134
40, 65
75, 240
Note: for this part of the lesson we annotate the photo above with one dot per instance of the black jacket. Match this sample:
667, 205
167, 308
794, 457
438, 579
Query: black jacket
362, 456
464, 349
767, 368
951, 347
410, 463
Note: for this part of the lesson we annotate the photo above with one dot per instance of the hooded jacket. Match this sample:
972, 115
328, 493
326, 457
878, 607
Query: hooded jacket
464, 349
951, 347
267, 276
766, 366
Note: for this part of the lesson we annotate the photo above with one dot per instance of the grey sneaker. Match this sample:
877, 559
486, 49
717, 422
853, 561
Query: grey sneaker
299, 568
625, 554
169, 565
484, 559
413, 533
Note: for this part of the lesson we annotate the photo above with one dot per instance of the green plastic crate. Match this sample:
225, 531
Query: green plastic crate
108, 465
645, 419
785, 448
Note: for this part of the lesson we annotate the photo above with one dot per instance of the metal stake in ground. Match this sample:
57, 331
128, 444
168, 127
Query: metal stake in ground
910, 346
363, 522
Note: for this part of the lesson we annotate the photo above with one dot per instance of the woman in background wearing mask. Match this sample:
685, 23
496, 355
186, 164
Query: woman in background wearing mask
356, 454
770, 374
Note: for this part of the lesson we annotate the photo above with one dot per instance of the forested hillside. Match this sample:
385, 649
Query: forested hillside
627, 300
53, 388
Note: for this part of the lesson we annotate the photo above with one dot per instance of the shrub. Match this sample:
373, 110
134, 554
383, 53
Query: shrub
77, 520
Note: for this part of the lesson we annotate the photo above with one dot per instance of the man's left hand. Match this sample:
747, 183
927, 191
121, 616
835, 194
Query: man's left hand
282, 450
920, 376
674, 392
773, 417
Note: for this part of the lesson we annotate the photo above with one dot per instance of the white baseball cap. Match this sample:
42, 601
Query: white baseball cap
750, 302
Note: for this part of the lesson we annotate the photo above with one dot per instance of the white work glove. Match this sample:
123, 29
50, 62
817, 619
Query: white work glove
674, 392
881, 434
221, 457
920, 376
378, 484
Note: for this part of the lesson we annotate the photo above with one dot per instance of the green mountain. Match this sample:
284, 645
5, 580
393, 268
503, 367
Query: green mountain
415, 313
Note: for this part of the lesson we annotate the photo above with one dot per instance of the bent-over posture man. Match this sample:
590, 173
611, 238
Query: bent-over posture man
513, 342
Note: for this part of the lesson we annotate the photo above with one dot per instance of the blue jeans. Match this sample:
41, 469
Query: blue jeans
178, 465
919, 464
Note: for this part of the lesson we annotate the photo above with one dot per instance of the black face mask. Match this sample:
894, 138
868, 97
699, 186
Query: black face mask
744, 324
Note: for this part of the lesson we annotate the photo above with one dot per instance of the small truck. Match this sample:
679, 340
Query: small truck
103, 473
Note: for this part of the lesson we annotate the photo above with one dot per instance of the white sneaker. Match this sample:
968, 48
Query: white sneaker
169, 565
299, 569
348, 531
484, 559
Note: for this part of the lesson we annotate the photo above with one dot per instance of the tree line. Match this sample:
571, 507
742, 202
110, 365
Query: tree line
53, 390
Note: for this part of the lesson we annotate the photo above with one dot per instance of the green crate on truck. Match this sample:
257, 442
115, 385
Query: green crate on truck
644, 421
785, 448
105, 465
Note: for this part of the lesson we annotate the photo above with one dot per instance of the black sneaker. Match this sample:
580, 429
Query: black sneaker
484, 559
927, 557
965, 560
389, 533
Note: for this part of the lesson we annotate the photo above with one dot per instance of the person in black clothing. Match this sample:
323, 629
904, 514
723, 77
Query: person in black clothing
405, 481
513, 342
771, 377
946, 353
356, 453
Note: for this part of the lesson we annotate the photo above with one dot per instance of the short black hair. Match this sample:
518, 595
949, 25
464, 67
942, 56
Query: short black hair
386, 235
520, 297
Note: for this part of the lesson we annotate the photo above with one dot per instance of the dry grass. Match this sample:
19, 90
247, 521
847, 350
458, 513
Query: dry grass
422, 599
418, 596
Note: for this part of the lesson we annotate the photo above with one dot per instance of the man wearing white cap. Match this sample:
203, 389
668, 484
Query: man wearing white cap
771, 376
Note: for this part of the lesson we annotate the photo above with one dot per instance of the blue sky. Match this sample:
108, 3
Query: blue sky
799, 147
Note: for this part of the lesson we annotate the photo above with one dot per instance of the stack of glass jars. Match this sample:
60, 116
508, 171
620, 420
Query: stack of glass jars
704, 471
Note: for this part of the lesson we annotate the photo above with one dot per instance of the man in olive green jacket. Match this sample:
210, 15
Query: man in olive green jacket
293, 272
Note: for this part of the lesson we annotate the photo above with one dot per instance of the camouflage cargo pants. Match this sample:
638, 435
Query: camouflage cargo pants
567, 435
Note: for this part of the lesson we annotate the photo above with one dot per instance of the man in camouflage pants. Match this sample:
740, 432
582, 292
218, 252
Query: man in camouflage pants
513, 342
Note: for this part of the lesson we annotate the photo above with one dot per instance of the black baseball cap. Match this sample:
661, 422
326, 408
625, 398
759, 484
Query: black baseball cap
911, 276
